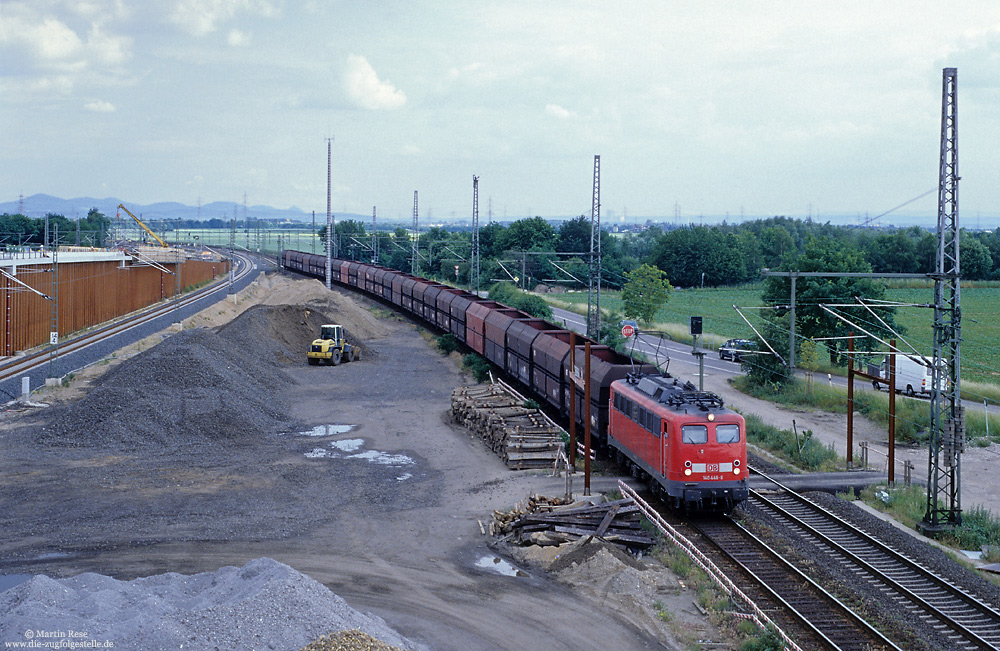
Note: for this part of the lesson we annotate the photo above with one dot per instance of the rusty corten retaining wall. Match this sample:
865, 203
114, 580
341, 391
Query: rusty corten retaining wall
89, 293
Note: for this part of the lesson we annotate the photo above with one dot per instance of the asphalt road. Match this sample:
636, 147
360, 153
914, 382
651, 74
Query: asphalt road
683, 363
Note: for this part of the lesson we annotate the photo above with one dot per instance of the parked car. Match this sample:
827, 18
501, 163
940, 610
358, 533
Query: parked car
735, 348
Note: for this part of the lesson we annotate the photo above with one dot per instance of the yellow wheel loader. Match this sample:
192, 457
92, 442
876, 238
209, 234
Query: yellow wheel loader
331, 347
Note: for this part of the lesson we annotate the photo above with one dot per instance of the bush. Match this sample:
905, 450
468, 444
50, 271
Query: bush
979, 527
508, 294
447, 343
765, 641
804, 451
476, 365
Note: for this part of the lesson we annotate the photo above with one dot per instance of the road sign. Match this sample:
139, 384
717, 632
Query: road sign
628, 330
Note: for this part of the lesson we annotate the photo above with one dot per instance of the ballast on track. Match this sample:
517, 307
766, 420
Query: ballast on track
524, 438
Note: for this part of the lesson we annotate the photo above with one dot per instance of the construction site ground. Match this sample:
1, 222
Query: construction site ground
211, 447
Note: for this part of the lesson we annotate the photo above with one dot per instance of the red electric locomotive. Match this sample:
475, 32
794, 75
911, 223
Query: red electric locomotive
691, 448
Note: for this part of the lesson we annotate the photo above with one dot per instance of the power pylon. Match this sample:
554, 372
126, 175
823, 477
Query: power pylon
474, 259
594, 284
413, 238
947, 426
374, 237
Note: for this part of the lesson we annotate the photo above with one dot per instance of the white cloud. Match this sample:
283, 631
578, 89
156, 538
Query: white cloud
100, 106
199, 17
557, 111
107, 48
366, 89
50, 40
236, 38
45, 42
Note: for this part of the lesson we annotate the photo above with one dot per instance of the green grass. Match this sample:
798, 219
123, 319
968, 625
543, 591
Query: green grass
801, 450
301, 239
908, 504
912, 416
980, 329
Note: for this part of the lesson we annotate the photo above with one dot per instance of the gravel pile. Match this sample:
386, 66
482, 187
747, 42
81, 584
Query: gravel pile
197, 386
861, 595
353, 640
262, 605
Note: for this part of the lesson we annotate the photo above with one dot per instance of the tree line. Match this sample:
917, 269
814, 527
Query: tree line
19, 230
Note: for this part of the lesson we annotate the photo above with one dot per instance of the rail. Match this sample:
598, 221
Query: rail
974, 624
28, 363
756, 614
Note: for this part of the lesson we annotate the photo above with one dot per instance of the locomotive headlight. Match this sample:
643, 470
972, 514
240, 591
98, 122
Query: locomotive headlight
736, 463
736, 470
711, 417
687, 464
687, 472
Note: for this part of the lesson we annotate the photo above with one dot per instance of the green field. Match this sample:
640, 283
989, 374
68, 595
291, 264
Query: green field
270, 240
980, 322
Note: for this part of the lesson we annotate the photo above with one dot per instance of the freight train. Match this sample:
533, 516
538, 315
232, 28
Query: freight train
690, 448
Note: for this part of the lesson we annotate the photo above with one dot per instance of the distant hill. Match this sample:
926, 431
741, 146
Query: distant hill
37, 205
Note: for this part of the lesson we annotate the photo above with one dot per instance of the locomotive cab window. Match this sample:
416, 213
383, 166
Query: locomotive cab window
694, 434
727, 433
653, 423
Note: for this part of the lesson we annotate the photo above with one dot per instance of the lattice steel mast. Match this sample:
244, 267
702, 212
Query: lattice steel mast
947, 427
414, 237
374, 237
594, 284
474, 261
329, 221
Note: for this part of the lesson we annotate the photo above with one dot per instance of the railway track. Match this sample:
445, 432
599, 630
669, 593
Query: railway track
28, 363
964, 620
811, 615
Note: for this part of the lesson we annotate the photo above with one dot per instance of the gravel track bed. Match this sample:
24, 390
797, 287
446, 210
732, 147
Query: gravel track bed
908, 631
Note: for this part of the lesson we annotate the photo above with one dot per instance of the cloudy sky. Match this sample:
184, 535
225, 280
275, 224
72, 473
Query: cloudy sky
704, 108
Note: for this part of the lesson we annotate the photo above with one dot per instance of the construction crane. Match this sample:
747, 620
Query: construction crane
144, 227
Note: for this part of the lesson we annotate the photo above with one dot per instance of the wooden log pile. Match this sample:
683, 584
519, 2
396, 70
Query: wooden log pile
521, 436
543, 521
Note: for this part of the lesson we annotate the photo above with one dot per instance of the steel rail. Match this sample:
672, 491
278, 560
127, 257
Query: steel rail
835, 624
39, 358
973, 623
757, 614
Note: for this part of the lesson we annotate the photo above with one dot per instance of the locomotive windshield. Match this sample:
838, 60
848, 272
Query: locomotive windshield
694, 434
727, 433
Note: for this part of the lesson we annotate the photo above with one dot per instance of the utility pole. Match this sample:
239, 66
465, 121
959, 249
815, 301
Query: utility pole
54, 328
474, 261
947, 427
594, 286
413, 238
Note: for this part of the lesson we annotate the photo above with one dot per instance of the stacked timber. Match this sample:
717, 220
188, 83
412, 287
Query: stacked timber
521, 436
552, 521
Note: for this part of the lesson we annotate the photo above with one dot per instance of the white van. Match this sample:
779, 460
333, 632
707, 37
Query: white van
913, 377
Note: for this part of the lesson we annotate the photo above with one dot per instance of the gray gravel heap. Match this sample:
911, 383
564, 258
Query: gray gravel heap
196, 387
262, 605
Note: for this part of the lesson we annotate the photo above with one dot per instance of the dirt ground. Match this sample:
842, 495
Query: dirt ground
373, 493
